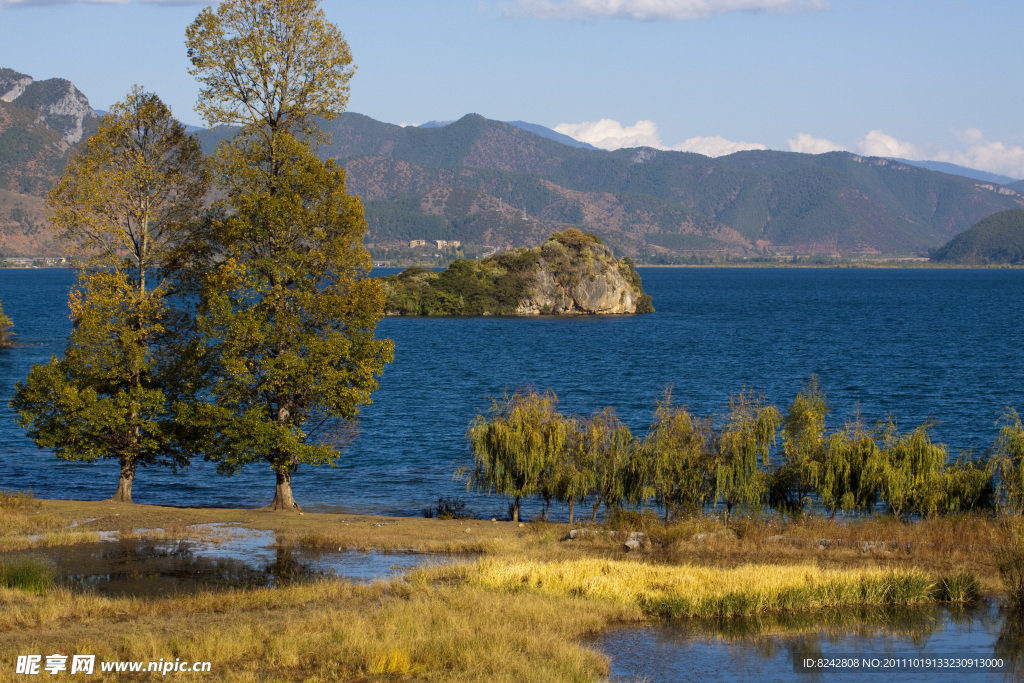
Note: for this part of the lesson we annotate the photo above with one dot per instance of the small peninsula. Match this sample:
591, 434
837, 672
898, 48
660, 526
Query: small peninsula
572, 273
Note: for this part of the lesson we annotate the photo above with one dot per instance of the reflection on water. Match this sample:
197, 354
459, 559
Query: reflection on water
244, 559
767, 648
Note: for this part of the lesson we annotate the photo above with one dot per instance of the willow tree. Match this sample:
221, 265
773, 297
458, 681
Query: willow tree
743, 445
125, 204
287, 312
677, 457
514, 444
803, 448
851, 468
614, 456
911, 470
1009, 461
576, 478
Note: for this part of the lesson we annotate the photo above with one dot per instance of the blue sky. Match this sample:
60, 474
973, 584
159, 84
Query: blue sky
924, 79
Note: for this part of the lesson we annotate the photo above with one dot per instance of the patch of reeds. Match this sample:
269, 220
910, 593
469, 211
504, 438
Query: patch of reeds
18, 500
694, 591
27, 574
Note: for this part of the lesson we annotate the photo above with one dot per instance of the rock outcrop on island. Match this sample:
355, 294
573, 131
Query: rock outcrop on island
572, 273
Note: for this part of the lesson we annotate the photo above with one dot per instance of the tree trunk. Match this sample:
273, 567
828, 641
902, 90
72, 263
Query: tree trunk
515, 510
124, 483
283, 500
572, 504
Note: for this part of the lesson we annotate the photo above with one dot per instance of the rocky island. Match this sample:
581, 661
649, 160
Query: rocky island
572, 273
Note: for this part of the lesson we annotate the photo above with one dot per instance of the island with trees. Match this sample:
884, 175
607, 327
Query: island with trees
571, 273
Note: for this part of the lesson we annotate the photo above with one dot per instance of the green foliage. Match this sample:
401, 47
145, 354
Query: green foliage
105, 397
287, 316
524, 447
27, 574
1009, 461
126, 199
514, 443
911, 474
803, 448
998, 239
286, 313
743, 445
849, 475
5, 329
677, 458
498, 284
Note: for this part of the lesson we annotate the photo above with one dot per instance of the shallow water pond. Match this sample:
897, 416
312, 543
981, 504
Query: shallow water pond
216, 558
888, 641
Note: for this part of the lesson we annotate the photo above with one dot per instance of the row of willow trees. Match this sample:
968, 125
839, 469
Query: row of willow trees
523, 447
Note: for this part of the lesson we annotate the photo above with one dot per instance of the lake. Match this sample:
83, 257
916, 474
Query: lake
917, 343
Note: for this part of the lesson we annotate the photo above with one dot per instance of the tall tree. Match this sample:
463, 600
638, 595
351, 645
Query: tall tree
125, 202
287, 312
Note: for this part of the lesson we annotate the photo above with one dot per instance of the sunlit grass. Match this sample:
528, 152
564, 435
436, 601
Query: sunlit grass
695, 591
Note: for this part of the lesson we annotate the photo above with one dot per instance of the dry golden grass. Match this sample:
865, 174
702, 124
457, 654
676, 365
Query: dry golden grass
694, 591
327, 631
519, 613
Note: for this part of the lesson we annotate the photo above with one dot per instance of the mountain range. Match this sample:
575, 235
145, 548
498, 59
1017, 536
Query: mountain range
489, 184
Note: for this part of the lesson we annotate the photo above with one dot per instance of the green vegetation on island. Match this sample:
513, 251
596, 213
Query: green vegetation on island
996, 240
571, 273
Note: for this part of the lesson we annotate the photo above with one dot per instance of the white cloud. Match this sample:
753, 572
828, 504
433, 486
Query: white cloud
980, 154
878, 144
994, 157
715, 146
808, 144
610, 134
652, 10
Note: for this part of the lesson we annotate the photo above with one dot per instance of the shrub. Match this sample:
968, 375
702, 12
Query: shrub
27, 574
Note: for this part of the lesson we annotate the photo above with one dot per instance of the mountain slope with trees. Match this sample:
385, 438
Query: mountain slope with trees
998, 239
485, 182
491, 185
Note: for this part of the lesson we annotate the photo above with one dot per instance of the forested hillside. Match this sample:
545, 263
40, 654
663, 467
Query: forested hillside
490, 186
998, 239
488, 183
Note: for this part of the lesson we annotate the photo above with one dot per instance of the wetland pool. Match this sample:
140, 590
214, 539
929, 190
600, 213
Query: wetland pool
885, 644
216, 558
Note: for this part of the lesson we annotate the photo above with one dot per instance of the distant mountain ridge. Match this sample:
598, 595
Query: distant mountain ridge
535, 128
489, 183
955, 169
493, 185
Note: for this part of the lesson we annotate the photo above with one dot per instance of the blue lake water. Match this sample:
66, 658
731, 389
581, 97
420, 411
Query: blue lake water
942, 344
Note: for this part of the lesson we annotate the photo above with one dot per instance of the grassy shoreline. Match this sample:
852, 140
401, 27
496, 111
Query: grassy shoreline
522, 611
